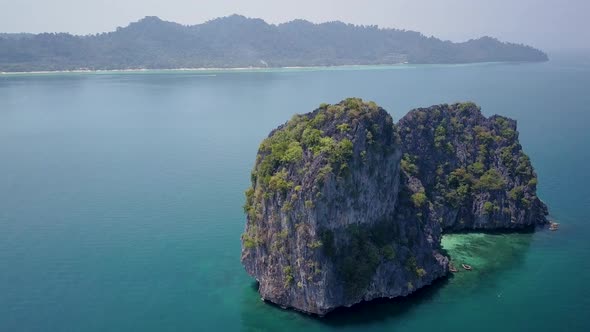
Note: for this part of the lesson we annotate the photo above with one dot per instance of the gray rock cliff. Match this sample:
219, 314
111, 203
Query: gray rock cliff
345, 206
469, 170
321, 213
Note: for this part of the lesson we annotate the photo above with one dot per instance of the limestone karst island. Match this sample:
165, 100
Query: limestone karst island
347, 206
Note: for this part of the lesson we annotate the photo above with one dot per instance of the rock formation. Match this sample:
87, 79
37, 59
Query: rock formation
468, 170
345, 206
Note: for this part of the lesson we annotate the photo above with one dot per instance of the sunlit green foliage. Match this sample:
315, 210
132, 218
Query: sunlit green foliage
369, 136
488, 207
343, 127
419, 199
490, 180
458, 177
323, 173
517, 193
342, 151
420, 272
311, 137
279, 182
440, 135
250, 204
476, 168
408, 164
288, 276
533, 183
294, 153
315, 244
249, 241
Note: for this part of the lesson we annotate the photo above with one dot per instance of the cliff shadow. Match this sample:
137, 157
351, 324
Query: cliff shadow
271, 316
383, 309
491, 254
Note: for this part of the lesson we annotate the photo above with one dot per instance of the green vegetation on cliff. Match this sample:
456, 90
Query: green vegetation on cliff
479, 166
306, 135
345, 206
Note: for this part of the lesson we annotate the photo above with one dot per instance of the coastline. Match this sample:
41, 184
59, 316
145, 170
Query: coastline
404, 65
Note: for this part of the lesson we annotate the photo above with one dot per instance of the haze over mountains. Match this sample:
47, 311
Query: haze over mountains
237, 41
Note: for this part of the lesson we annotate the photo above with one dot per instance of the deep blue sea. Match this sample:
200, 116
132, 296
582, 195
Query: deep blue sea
121, 198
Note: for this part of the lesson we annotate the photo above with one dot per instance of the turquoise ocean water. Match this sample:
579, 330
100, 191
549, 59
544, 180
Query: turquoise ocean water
121, 195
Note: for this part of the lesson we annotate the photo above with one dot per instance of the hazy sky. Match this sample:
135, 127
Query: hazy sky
549, 24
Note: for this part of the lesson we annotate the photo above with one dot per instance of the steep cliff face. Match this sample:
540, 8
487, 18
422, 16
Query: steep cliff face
345, 206
324, 224
468, 171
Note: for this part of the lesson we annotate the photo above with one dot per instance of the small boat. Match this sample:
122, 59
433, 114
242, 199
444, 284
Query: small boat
553, 226
452, 268
466, 266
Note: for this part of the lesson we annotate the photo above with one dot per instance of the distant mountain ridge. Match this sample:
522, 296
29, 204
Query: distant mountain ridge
237, 41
